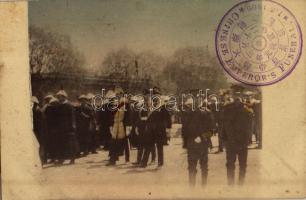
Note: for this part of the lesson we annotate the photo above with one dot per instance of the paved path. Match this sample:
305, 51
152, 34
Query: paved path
90, 176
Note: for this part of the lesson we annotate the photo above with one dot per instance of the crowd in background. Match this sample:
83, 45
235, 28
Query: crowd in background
68, 131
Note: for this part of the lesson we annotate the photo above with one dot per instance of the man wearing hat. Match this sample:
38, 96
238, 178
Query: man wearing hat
143, 141
105, 120
197, 126
157, 124
51, 130
67, 143
47, 99
237, 121
37, 118
37, 127
93, 126
218, 116
83, 120
120, 128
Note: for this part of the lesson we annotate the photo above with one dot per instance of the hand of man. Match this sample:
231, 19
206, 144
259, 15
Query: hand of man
128, 130
168, 132
112, 132
136, 131
198, 140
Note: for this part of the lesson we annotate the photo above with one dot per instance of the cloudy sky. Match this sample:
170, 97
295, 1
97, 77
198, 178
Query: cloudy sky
98, 26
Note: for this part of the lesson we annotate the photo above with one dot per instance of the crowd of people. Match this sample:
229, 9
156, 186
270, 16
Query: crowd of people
68, 131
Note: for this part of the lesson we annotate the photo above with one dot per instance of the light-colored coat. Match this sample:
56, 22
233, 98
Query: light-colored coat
118, 131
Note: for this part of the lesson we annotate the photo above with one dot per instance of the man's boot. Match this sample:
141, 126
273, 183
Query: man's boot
192, 179
204, 178
241, 176
230, 176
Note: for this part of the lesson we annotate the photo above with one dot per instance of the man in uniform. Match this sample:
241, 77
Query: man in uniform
197, 126
237, 121
219, 117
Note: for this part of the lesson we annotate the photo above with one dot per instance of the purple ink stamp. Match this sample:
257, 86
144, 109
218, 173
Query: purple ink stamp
258, 42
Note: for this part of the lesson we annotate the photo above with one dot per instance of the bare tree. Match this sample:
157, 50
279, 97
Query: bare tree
194, 68
51, 52
150, 65
125, 63
119, 64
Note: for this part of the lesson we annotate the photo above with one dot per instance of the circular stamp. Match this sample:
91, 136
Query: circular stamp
258, 42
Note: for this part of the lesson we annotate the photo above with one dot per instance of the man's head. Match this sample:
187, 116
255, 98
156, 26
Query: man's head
34, 101
189, 103
118, 91
237, 92
54, 101
47, 98
82, 99
62, 96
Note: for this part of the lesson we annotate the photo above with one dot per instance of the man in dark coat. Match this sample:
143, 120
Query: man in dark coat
51, 130
66, 123
105, 120
93, 125
218, 116
237, 123
37, 128
83, 120
158, 123
143, 140
37, 119
197, 126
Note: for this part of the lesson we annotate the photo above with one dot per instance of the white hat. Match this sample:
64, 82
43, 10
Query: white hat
105, 101
110, 94
53, 100
49, 96
189, 101
248, 93
90, 96
118, 90
134, 98
213, 98
165, 99
140, 103
256, 101
35, 100
83, 96
62, 93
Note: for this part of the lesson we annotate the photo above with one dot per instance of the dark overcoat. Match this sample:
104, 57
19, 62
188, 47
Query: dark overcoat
237, 123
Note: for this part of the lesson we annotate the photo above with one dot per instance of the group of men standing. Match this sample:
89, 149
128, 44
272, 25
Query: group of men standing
63, 130
68, 131
233, 118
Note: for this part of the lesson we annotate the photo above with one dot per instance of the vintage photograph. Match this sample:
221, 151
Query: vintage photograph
152, 99
133, 94
85, 54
